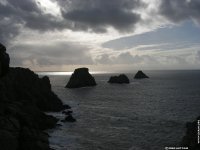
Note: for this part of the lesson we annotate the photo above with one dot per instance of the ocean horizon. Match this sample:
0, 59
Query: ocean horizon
147, 114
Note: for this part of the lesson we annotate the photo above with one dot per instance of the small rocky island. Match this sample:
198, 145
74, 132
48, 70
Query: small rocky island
122, 78
24, 97
81, 78
140, 75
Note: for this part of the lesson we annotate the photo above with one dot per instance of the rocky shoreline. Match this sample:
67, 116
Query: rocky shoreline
24, 97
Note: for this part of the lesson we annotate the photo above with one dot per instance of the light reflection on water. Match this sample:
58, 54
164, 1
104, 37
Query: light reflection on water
66, 73
147, 114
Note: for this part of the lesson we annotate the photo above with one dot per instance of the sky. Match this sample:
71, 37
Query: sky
103, 35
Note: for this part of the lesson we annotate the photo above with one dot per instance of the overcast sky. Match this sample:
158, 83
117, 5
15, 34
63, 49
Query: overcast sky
104, 35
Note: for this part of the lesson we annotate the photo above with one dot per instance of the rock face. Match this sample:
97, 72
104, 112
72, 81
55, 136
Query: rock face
122, 78
81, 78
23, 98
140, 75
190, 139
4, 60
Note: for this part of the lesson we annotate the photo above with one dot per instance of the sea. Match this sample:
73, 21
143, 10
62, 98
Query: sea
147, 114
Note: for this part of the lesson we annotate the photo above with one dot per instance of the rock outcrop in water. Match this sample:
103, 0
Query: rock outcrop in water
4, 60
23, 98
140, 75
122, 78
190, 139
81, 78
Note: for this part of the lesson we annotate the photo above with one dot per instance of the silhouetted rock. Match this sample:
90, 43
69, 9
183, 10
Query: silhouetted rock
122, 78
81, 78
69, 118
8, 141
140, 75
27, 85
23, 98
190, 139
66, 106
4, 60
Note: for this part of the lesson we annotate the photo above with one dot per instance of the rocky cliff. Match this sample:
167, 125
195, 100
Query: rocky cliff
23, 99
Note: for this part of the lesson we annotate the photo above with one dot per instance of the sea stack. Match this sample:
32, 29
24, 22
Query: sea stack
122, 78
81, 78
140, 75
4, 60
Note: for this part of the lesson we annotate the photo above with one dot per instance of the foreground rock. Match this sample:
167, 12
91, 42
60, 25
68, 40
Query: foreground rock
140, 75
23, 99
191, 136
81, 78
119, 79
4, 60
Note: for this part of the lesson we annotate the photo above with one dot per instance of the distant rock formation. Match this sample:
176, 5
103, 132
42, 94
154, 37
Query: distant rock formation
23, 99
190, 139
4, 60
140, 75
81, 78
122, 78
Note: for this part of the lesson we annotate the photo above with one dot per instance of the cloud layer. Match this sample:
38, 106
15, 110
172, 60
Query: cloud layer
54, 54
98, 15
178, 11
104, 18
90, 15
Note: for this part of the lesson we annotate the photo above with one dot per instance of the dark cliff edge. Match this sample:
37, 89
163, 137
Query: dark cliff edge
81, 78
190, 139
24, 97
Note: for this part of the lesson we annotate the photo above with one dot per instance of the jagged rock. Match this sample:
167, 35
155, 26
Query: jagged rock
122, 78
23, 98
191, 136
33, 139
46, 82
28, 86
8, 141
81, 78
140, 75
4, 60
66, 106
69, 118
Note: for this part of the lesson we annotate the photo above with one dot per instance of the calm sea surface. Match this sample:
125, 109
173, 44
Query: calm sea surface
146, 114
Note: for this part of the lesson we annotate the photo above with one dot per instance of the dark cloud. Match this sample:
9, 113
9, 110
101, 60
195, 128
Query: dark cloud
48, 55
87, 15
97, 15
180, 10
16, 14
